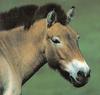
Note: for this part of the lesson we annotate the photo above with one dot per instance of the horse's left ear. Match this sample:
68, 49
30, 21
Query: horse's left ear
70, 14
51, 18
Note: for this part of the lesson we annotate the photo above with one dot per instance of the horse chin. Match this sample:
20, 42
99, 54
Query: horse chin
67, 76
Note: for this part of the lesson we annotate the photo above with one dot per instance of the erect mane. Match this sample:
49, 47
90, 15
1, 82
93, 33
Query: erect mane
27, 15
42, 12
17, 16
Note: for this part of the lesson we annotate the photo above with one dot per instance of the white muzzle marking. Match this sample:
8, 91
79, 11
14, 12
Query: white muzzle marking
74, 66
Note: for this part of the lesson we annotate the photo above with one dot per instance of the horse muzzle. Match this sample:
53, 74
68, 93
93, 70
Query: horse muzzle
80, 80
76, 72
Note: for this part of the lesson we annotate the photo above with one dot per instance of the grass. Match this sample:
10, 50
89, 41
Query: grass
87, 23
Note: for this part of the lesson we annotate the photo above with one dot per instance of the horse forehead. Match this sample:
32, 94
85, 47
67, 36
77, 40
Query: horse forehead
61, 29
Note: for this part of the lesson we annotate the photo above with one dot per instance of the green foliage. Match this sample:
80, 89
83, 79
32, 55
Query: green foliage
87, 23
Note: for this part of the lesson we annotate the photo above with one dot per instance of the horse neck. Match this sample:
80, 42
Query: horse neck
37, 31
24, 50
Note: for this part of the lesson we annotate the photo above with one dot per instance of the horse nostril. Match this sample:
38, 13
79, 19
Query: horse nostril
80, 74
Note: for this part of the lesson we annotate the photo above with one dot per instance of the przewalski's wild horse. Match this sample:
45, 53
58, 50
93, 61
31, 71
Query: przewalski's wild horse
23, 53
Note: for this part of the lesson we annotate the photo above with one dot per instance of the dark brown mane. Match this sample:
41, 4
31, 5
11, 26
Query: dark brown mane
27, 15
17, 16
44, 10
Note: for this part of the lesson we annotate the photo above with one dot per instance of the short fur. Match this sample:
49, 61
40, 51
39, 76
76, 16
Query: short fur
26, 15
22, 54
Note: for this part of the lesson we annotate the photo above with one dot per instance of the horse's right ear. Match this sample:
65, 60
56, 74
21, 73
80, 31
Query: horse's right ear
51, 18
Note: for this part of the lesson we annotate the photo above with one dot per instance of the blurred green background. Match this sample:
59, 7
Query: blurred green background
87, 23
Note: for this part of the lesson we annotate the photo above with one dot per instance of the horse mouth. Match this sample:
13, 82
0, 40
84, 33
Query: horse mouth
76, 83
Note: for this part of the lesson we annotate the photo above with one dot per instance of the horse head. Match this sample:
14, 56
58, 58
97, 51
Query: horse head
62, 50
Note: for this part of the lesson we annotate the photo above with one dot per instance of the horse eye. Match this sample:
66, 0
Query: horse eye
55, 40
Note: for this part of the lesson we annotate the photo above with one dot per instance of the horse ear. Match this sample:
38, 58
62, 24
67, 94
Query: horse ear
70, 14
51, 18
